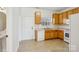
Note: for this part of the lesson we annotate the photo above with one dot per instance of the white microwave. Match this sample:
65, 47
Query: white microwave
66, 21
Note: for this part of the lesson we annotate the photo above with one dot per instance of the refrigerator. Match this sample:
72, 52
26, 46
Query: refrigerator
74, 33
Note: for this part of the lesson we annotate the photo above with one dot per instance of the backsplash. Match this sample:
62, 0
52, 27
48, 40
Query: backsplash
46, 21
38, 27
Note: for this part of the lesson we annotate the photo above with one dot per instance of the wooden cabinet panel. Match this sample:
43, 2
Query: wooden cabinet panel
65, 15
58, 18
73, 11
37, 17
61, 19
61, 34
50, 34
55, 19
55, 33
36, 35
77, 10
47, 34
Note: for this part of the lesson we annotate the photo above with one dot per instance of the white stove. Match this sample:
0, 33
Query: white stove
67, 35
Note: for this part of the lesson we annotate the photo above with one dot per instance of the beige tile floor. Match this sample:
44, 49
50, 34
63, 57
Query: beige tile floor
55, 45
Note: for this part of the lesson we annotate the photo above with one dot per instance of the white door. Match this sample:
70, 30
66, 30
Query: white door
27, 28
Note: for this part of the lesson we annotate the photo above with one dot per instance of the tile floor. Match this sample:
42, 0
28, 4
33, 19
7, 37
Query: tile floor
55, 45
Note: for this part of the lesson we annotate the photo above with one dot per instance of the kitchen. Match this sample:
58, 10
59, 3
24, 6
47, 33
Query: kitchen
55, 26
64, 26
52, 26
42, 29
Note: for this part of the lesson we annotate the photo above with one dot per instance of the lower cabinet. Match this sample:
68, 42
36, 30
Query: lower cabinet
39, 35
61, 34
50, 34
54, 34
47, 34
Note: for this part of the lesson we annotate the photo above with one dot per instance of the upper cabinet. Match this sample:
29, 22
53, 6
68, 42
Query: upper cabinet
55, 19
73, 11
60, 18
37, 17
65, 15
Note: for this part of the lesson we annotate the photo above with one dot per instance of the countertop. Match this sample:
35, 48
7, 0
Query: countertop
53, 27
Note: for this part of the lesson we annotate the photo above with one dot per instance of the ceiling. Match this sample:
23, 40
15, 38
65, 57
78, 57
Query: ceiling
54, 8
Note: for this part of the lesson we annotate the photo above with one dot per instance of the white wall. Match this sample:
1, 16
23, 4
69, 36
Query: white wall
46, 13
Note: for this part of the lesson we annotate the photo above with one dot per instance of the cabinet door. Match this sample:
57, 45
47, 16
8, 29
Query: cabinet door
47, 34
37, 17
52, 34
65, 15
55, 19
61, 34
55, 34
61, 19
36, 35
76, 10
73, 11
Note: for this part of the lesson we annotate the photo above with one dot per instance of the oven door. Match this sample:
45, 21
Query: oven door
66, 36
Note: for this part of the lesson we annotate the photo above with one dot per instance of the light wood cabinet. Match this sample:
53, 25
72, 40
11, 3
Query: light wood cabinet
55, 34
50, 34
47, 34
36, 35
55, 19
77, 10
60, 19
38, 17
73, 11
65, 15
60, 34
